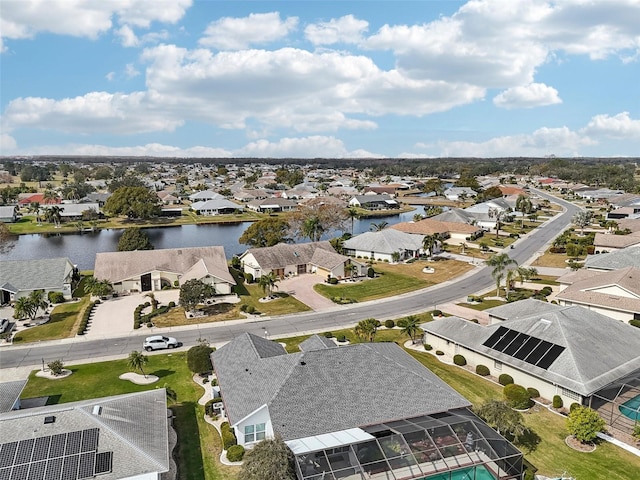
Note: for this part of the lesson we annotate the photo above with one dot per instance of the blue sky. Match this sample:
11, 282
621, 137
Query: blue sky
207, 78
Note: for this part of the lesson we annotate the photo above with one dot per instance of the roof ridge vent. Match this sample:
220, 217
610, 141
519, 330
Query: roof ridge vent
97, 410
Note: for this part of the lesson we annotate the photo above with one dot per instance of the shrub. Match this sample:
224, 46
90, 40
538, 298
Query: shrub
505, 379
428, 347
243, 307
235, 453
439, 352
475, 320
634, 323
389, 323
248, 278
546, 291
228, 439
171, 304
328, 335
199, 358
533, 392
636, 431
371, 273
250, 309
436, 313
557, 401
333, 281
585, 424
402, 323
342, 338
573, 406
482, 370
459, 360
517, 396
55, 297
56, 367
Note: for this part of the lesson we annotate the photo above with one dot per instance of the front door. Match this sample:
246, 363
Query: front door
145, 281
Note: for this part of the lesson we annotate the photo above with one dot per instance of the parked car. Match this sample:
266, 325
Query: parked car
4, 324
158, 342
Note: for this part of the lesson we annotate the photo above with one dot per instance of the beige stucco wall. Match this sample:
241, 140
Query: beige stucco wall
615, 314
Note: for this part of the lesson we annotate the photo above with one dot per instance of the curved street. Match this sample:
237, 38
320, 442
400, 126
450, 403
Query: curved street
80, 349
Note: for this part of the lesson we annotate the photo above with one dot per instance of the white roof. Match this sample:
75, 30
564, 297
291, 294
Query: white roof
328, 440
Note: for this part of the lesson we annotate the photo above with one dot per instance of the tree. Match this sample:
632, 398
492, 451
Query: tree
312, 228
524, 206
38, 302
433, 185
154, 300
49, 197
378, 227
489, 193
269, 460
199, 358
366, 329
317, 217
134, 238
584, 424
53, 214
194, 292
352, 213
500, 416
134, 202
582, 219
524, 274
411, 328
500, 216
6, 238
268, 282
137, 361
98, 288
429, 243
266, 232
22, 308
500, 263
417, 217
395, 257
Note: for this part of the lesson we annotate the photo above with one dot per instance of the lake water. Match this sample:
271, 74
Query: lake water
81, 249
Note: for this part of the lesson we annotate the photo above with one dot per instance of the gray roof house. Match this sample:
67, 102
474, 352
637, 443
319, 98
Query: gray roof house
360, 411
205, 195
216, 206
10, 395
627, 257
8, 213
151, 270
272, 205
111, 438
559, 350
381, 245
374, 202
19, 278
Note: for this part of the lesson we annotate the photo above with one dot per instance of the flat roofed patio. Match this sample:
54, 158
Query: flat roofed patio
439, 445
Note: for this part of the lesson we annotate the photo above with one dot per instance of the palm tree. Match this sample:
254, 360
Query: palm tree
378, 227
137, 361
352, 214
37, 301
500, 263
22, 308
366, 329
154, 300
463, 245
429, 243
53, 214
417, 217
268, 283
411, 327
49, 196
395, 257
523, 273
34, 207
312, 228
523, 205
499, 215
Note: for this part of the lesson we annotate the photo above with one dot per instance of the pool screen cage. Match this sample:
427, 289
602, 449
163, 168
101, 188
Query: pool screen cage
619, 403
451, 445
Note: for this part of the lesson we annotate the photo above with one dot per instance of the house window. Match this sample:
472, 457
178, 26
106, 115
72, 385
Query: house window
497, 365
569, 393
254, 433
302, 268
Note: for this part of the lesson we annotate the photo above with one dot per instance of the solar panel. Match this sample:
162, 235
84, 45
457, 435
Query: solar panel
7, 454
70, 467
5, 473
538, 352
20, 472
57, 445
527, 348
41, 449
553, 353
54, 468
87, 465
25, 448
103, 462
515, 345
90, 440
36, 470
497, 335
73, 443
505, 340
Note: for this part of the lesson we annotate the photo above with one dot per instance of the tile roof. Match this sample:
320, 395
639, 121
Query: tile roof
326, 390
119, 266
46, 274
386, 241
598, 350
627, 257
133, 426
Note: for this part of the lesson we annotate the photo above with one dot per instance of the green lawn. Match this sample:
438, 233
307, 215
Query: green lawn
61, 325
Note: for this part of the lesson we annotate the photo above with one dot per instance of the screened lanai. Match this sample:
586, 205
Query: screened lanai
452, 445
619, 403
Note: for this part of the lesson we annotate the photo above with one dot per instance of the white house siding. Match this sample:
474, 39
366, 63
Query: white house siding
547, 390
221, 287
259, 416
611, 313
367, 254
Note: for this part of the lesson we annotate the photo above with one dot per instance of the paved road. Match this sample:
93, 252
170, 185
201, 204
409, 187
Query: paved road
76, 349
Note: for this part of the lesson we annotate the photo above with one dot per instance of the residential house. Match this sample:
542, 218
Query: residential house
459, 193
71, 212
607, 242
288, 259
205, 195
110, 438
485, 212
599, 194
302, 191
374, 202
615, 294
383, 244
366, 410
568, 351
18, 278
152, 270
456, 233
99, 198
168, 198
218, 206
245, 195
456, 215
25, 199
8, 214
10, 395
626, 257
274, 205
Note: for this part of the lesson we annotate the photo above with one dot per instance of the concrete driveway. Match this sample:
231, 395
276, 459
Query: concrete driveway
301, 288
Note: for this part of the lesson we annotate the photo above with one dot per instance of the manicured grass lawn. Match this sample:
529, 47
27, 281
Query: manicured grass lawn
486, 304
63, 323
199, 444
395, 279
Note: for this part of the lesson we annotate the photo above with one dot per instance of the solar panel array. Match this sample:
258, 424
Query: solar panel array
524, 347
64, 456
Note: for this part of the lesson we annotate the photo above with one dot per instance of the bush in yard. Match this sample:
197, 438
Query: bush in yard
634, 323
482, 370
228, 439
269, 460
235, 453
584, 424
250, 309
459, 360
428, 347
389, 323
505, 379
517, 396
533, 392
573, 406
328, 335
436, 313
56, 367
439, 352
402, 323
248, 278
55, 297
636, 432
199, 358
333, 281
371, 273
557, 401
342, 338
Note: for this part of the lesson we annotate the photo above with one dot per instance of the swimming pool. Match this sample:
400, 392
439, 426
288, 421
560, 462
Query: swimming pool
481, 473
630, 408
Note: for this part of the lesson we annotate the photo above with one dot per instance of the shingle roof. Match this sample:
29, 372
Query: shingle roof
628, 257
132, 426
316, 342
598, 350
321, 254
428, 226
327, 390
455, 215
386, 241
215, 204
616, 241
9, 394
119, 266
47, 273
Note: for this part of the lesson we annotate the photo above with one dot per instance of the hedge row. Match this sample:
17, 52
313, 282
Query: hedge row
235, 453
139, 319
228, 438
84, 323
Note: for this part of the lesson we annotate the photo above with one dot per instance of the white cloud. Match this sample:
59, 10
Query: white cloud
127, 37
238, 33
130, 71
620, 126
84, 18
7, 142
110, 76
528, 96
347, 29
